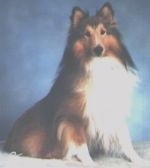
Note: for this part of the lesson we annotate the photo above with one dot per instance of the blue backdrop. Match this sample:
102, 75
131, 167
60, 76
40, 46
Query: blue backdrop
32, 39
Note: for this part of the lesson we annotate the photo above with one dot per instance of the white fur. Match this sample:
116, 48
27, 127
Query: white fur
79, 153
108, 95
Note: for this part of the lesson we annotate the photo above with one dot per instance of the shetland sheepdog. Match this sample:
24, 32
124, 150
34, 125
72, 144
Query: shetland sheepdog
85, 111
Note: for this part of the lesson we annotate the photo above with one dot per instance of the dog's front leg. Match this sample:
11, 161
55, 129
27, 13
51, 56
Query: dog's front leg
79, 153
72, 137
126, 145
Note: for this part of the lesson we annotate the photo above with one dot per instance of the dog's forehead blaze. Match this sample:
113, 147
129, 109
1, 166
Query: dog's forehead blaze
92, 28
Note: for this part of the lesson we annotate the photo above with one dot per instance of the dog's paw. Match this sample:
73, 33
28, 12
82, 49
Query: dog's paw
80, 154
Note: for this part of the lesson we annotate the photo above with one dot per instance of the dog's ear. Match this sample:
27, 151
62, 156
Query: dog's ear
77, 15
106, 13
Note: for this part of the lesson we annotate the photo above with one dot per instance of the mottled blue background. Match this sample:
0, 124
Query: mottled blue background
32, 39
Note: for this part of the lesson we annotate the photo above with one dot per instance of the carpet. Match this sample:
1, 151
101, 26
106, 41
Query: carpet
14, 161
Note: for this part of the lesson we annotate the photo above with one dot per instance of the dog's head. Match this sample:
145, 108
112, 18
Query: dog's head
96, 36
91, 35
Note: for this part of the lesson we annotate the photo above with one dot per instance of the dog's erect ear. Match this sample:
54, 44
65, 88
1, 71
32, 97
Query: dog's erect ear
106, 13
77, 15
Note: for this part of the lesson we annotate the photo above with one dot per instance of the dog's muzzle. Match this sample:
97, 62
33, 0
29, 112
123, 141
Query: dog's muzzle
97, 51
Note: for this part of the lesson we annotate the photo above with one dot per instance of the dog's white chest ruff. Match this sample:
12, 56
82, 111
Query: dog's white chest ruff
108, 95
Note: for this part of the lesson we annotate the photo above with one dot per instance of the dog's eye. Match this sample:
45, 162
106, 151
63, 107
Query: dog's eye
103, 32
87, 34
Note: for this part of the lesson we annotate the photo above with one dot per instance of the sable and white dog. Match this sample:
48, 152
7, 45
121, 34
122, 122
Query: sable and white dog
85, 111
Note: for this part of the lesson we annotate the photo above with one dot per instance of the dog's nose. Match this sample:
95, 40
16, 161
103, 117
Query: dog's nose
98, 50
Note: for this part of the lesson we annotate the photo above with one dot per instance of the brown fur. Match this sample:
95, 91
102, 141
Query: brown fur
59, 125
